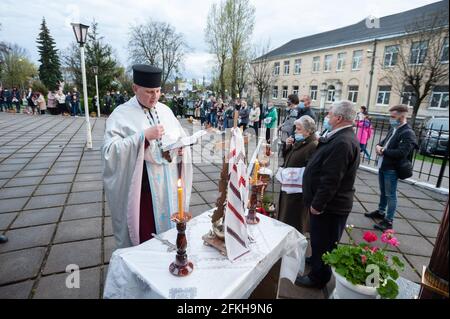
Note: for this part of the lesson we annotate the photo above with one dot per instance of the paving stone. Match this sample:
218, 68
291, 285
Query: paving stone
72, 159
209, 169
360, 221
85, 197
11, 167
196, 199
426, 229
24, 181
13, 192
402, 226
200, 178
408, 272
55, 179
54, 286
3, 182
205, 186
108, 227
28, 237
37, 217
418, 262
87, 186
52, 189
12, 205
88, 177
361, 189
107, 210
59, 164
7, 174
62, 171
213, 176
32, 173
17, 291
6, 219
437, 214
413, 193
367, 198
85, 253
415, 214
414, 245
428, 204
358, 208
109, 247
288, 290
20, 265
404, 202
91, 169
34, 166
46, 201
210, 197
82, 211
199, 209
78, 230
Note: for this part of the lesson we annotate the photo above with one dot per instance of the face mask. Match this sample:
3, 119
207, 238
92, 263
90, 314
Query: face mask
299, 137
301, 105
394, 122
327, 125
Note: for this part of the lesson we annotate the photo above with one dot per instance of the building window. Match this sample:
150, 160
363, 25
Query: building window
276, 68
327, 63
408, 96
298, 66
384, 94
439, 97
295, 89
444, 55
357, 59
285, 92
340, 61
330, 94
275, 92
316, 64
353, 93
313, 92
286, 67
418, 52
390, 55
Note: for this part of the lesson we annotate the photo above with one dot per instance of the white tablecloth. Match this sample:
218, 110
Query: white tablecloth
143, 271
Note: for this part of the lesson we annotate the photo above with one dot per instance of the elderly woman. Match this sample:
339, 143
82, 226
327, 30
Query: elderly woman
298, 151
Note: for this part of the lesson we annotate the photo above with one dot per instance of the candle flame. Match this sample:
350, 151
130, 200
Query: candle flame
179, 182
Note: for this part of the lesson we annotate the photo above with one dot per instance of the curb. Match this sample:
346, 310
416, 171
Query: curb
409, 181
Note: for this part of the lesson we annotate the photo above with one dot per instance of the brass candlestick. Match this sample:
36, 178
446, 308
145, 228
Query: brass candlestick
181, 267
255, 202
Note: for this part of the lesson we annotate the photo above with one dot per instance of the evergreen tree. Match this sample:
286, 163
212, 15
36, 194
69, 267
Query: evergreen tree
49, 70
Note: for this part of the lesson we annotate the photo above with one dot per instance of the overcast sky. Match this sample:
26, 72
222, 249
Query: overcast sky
281, 21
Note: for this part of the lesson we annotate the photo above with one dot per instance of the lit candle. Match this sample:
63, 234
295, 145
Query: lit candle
255, 172
180, 200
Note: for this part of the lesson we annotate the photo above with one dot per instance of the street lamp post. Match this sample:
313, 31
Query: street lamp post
81, 31
323, 94
95, 69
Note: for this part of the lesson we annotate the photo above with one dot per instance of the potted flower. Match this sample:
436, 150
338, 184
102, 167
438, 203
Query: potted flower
364, 271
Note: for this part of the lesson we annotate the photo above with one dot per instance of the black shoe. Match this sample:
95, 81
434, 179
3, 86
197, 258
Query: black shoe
383, 225
3, 239
375, 214
308, 260
305, 281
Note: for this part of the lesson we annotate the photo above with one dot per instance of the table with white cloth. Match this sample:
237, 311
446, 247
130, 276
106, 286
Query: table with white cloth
143, 271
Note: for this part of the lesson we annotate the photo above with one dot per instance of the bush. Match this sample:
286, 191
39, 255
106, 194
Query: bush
38, 86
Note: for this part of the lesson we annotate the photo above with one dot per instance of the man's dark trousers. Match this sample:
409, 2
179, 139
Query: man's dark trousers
325, 231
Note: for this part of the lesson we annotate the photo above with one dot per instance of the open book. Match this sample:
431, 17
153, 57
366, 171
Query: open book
185, 141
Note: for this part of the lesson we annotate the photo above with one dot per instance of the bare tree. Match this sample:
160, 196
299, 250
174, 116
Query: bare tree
242, 69
240, 22
261, 72
218, 38
158, 43
419, 64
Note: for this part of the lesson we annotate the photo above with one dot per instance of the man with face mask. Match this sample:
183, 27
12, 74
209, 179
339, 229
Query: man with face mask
328, 189
288, 128
304, 107
393, 151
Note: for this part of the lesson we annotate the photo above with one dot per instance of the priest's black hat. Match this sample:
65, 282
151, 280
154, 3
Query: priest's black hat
147, 76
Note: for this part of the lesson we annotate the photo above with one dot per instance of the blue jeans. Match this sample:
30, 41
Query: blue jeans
364, 149
388, 193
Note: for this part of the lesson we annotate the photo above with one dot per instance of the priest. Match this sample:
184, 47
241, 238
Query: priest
140, 176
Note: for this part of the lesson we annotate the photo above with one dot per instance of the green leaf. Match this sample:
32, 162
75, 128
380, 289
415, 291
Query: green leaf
389, 291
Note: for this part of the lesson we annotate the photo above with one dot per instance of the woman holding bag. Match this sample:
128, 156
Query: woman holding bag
298, 151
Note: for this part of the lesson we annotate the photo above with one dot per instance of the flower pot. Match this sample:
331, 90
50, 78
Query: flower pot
346, 290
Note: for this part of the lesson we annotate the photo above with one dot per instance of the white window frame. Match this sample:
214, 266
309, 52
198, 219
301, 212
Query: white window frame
331, 95
316, 64
419, 53
295, 91
384, 93
441, 98
340, 61
391, 54
286, 67
313, 92
284, 92
327, 62
275, 90
353, 93
298, 66
444, 47
276, 68
357, 60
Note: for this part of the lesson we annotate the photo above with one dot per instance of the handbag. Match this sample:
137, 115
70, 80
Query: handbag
404, 169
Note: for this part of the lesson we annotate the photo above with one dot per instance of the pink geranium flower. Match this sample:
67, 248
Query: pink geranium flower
370, 237
388, 238
363, 259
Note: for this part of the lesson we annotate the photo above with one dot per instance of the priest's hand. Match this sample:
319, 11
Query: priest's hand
314, 211
154, 132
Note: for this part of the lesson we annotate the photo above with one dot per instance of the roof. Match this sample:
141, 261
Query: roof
389, 26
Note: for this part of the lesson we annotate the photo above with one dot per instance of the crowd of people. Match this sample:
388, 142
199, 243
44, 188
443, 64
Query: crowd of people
56, 102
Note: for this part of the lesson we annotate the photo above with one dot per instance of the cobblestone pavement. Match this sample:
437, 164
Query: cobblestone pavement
53, 210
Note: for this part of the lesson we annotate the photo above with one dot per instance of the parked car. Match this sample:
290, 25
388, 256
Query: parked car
434, 137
